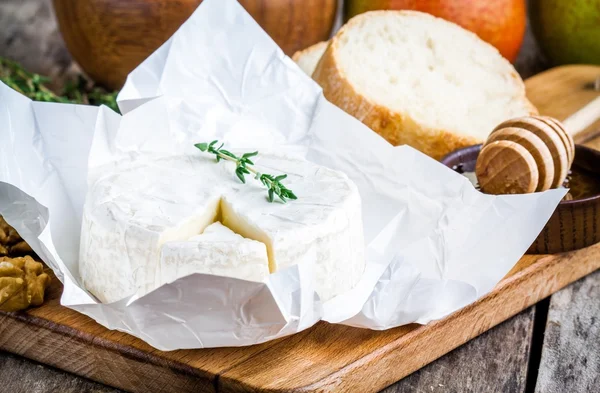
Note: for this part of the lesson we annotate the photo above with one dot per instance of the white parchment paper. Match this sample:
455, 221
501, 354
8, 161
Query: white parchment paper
434, 244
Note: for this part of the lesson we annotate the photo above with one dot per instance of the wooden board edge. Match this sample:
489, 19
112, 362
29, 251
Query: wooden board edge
568, 69
405, 355
95, 358
581, 89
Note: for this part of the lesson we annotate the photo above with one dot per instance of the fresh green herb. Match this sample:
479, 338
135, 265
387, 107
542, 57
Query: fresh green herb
243, 168
27, 83
82, 91
35, 87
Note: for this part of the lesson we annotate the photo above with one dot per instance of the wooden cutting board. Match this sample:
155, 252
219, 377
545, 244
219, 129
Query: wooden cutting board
325, 358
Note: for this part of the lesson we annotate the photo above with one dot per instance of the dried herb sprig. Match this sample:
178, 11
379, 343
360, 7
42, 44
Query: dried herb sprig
243, 168
34, 86
83, 91
27, 83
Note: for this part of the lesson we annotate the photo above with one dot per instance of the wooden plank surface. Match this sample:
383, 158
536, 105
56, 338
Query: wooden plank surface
63, 338
496, 359
577, 90
494, 362
320, 359
469, 368
571, 352
20, 375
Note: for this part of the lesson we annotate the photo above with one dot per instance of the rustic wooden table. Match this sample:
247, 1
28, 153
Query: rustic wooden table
551, 347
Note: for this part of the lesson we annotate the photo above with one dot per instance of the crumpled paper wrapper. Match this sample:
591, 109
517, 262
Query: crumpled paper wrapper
434, 244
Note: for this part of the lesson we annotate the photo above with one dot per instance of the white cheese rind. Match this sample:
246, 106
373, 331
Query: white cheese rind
217, 251
130, 214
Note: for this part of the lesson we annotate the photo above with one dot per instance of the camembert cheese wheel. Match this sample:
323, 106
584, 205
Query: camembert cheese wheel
153, 220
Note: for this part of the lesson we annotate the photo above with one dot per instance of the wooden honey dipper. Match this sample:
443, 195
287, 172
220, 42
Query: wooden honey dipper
532, 153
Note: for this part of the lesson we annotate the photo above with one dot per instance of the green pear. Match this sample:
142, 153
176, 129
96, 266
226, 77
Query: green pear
568, 31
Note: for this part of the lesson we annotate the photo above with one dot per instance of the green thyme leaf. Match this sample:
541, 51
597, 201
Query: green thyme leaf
34, 86
273, 183
240, 175
202, 146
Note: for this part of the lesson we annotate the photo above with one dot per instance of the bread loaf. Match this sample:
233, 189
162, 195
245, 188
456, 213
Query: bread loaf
420, 80
308, 58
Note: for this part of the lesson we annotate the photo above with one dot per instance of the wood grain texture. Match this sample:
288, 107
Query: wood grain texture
18, 375
494, 362
109, 38
575, 223
319, 360
576, 84
571, 352
324, 358
534, 145
552, 140
506, 167
560, 130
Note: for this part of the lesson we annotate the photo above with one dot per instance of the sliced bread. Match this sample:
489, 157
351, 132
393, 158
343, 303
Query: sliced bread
308, 58
419, 80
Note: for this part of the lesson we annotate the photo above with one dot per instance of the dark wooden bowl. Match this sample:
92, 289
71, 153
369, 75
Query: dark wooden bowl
575, 224
109, 38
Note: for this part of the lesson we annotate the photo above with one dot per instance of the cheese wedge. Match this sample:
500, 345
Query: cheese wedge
218, 250
143, 221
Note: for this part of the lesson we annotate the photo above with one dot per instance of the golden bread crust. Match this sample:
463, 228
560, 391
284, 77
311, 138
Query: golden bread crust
396, 127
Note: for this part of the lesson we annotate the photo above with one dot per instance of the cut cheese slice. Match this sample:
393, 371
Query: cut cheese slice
218, 250
142, 212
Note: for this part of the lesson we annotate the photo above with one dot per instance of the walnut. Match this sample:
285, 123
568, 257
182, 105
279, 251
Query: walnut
11, 244
22, 283
8, 234
21, 248
3, 231
13, 236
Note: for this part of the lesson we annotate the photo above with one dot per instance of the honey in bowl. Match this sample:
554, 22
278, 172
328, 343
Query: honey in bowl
574, 223
581, 184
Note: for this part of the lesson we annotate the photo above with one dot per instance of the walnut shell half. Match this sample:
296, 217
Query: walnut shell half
8, 234
11, 243
22, 283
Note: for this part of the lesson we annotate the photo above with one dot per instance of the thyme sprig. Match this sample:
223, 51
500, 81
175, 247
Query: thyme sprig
27, 83
243, 168
35, 86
